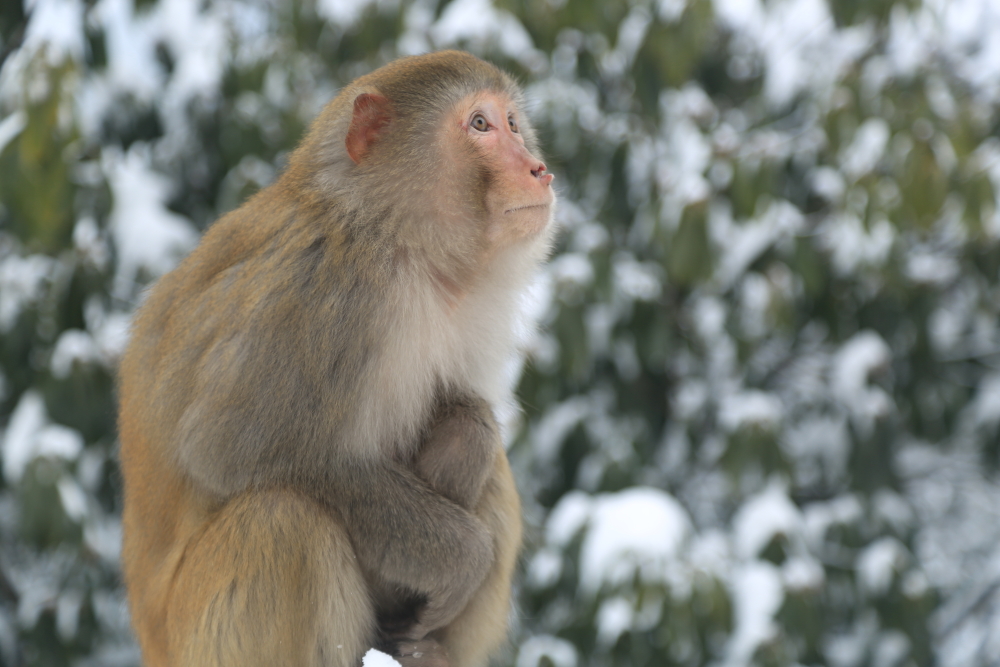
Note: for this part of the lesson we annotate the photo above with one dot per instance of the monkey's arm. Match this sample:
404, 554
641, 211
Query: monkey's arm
410, 539
458, 452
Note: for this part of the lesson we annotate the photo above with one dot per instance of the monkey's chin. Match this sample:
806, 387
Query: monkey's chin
524, 222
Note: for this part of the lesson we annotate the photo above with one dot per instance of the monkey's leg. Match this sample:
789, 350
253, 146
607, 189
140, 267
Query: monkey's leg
270, 580
481, 627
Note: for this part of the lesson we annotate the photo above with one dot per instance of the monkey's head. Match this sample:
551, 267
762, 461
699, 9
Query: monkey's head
440, 146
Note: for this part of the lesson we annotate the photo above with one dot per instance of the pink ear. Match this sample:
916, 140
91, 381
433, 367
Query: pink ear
371, 114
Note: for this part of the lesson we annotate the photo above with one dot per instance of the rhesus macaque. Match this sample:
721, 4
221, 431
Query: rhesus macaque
311, 460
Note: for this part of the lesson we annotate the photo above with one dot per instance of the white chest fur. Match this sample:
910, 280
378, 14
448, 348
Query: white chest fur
467, 344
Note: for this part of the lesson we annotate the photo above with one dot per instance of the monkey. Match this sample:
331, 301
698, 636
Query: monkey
311, 460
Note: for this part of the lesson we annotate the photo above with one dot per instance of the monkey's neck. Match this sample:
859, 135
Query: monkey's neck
450, 291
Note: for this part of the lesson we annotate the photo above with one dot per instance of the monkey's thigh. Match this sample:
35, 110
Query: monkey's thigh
481, 628
270, 580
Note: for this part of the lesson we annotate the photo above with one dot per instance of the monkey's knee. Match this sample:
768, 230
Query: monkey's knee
271, 580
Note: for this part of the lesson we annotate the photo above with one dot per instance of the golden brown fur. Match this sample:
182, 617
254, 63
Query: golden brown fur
311, 460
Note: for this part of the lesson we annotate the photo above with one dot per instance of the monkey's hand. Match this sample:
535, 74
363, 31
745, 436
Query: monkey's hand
423, 653
460, 449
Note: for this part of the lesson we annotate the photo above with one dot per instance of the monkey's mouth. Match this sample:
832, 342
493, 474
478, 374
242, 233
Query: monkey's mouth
525, 208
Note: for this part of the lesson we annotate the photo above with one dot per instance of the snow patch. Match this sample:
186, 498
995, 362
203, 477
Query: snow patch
764, 516
29, 435
55, 26
559, 651
744, 243
548, 435
345, 13
862, 355
757, 597
11, 126
866, 149
567, 518
22, 282
375, 658
479, 23
73, 346
148, 236
853, 245
877, 564
639, 528
614, 617
750, 408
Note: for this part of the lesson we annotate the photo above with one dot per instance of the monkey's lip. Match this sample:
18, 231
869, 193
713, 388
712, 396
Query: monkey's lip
525, 207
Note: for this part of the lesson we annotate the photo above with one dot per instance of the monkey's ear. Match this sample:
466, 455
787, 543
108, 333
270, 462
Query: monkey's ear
371, 114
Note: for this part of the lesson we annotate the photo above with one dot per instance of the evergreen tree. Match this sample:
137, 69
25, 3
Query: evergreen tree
761, 414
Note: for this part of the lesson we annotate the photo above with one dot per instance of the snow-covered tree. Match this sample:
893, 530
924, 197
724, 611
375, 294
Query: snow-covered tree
761, 416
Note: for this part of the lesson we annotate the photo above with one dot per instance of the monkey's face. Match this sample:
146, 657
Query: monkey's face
516, 190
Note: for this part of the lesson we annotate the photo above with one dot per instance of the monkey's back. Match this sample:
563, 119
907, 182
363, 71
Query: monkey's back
219, 343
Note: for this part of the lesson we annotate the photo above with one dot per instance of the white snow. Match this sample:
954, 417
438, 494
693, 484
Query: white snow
73, 346
986, 405
22, 282
56, 26
828, 183
750, 408
29, 435
72, 497
545, 568
344, 13
479, 23
800, 45
57, 441
614, 617
926, 267
111, 336
822, 441
878, 562
19, 439
820, 516
800, 573
90, 243
567, 518
103, 536
640, 529
68, 613
670, 11
375, 658
866, 148
853, 245
548, 435
862, 355
637, 280
744, 242
534, 649
130, 44
11, 126
757, 596
571, 270
764, 516
147, 235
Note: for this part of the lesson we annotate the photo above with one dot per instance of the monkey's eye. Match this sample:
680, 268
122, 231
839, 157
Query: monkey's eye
480, 123
512, 123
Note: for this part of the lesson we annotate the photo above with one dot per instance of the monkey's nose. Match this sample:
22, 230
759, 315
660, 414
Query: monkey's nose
539, 173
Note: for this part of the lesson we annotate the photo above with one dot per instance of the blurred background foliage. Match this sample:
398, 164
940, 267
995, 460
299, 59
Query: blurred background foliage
761, 417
